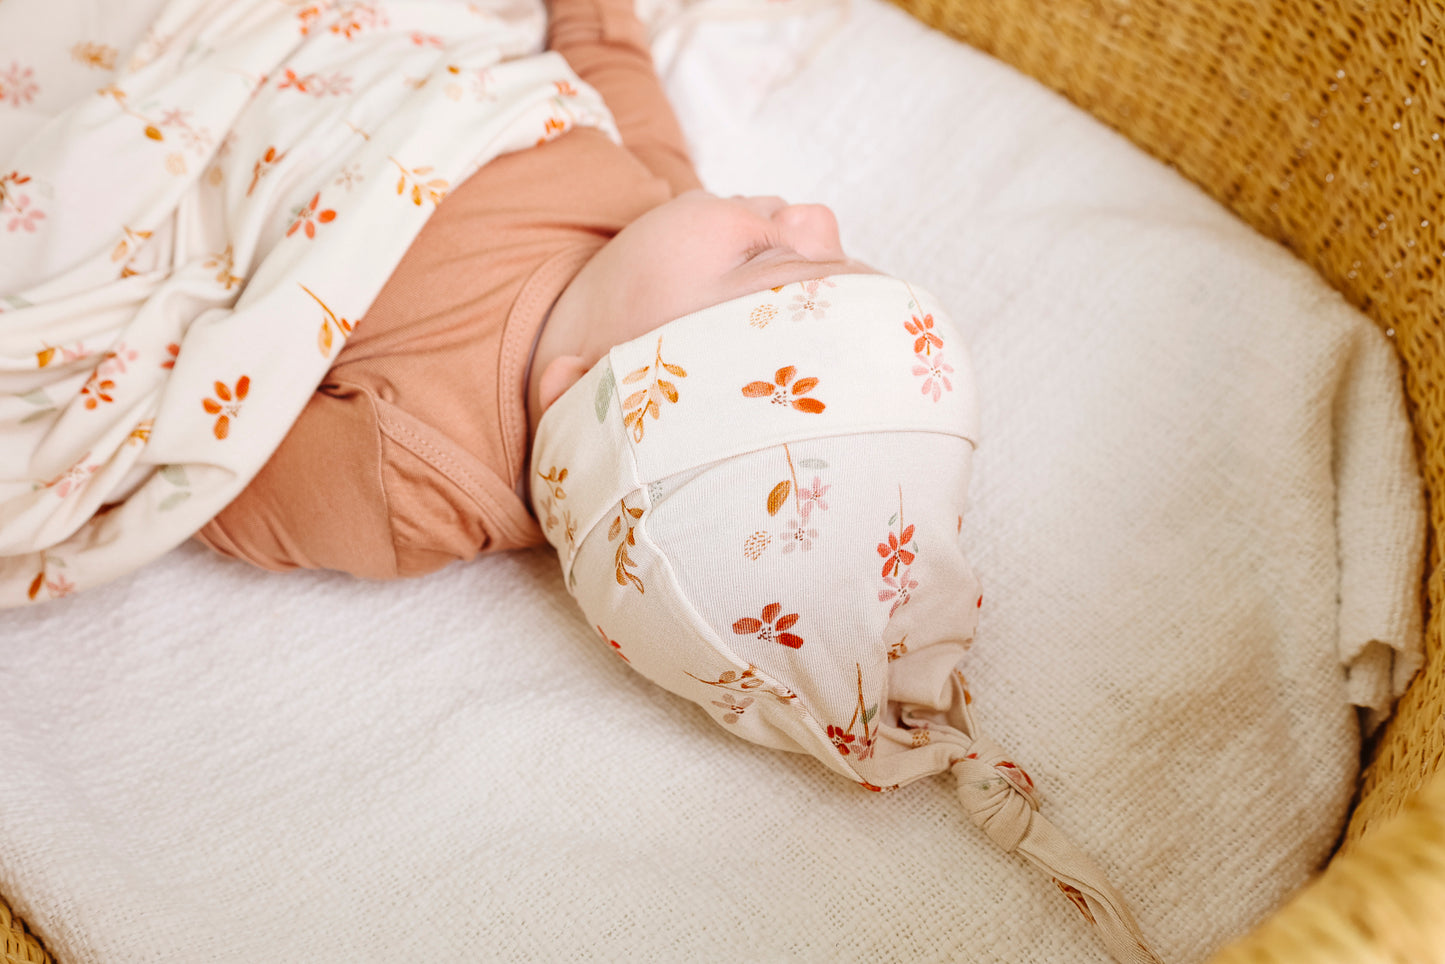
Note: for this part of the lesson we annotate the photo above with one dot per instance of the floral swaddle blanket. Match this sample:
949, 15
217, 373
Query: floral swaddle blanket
759, 507
184, 250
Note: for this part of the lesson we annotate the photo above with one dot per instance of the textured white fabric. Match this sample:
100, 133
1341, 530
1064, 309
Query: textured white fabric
185, 245
209, 763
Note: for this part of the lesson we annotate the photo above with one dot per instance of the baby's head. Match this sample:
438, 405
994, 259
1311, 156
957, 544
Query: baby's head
759, 505
694, 251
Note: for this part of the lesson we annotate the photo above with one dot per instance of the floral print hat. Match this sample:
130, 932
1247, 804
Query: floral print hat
759, 507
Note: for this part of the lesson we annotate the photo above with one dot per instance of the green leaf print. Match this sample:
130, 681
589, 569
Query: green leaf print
173, 500
175, 475
603, 399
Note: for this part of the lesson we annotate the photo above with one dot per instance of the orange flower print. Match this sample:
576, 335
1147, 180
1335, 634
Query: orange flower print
935, 372
173, 351
846, 740
784, 391
770, 627
301, 84
894, 552
553, 127
926, 340
97, 390
307, 217
840, 738
357, 17
308, 17
227, 404
336, 84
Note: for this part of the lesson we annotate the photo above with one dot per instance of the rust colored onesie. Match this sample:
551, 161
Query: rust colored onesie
412, 450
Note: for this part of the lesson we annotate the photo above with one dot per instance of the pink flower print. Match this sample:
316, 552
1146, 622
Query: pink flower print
337, 85
26, 215
795, 536
348, 176
766, 628
808, 304
59, 587
73, 477
115, 360
900, 590
735, 708
425, 39
935, 372
926, 340
812, 496
17, 85
840, 738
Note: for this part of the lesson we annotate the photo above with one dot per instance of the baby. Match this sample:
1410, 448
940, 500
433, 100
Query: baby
580, 330
412, 452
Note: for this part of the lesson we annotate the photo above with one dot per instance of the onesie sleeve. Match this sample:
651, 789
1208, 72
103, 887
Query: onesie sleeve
319, 502
607, 45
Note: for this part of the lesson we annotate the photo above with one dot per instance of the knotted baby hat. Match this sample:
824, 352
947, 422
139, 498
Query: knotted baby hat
759, 507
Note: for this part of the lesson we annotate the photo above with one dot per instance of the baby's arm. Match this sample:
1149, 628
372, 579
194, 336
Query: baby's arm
607, 46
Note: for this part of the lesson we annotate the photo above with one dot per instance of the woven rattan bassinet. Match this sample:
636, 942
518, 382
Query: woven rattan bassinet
1322, 124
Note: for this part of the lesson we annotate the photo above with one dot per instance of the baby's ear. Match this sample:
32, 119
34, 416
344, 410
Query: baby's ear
560, 374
